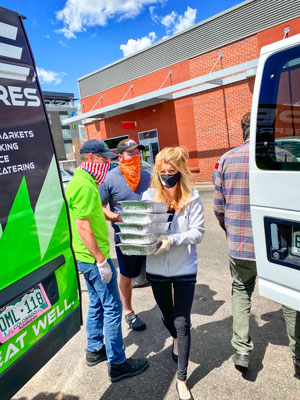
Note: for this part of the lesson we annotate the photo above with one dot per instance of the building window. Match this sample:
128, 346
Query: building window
62, 117
66, 133
67, 147
81, 132
148, 134
149, 139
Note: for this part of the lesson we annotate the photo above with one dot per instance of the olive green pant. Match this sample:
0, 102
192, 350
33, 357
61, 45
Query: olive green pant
243, 274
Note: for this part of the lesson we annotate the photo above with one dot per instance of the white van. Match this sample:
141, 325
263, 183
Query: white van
275, 179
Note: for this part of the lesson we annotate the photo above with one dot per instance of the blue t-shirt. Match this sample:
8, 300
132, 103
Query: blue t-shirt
115, 188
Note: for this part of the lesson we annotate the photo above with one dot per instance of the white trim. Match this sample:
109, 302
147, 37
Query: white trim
195, 85
8, 31
281, 44
209, 86
8, 50
15, 72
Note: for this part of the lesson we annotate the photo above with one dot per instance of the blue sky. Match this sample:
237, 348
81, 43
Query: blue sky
72, 38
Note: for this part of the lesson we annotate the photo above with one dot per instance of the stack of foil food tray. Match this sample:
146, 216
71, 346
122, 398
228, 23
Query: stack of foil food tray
143, 222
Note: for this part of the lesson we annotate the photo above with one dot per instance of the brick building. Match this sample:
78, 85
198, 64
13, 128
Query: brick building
189, 89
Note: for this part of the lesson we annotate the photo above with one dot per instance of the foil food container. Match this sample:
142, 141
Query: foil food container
143, 218
133, 238
137, 249
143, 229
144, 206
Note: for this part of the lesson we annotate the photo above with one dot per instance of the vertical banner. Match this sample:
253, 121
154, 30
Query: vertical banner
39, 297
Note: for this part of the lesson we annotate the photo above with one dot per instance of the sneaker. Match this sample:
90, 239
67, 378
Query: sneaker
134, 322
130, 367
95, 357
297, 369
241, 361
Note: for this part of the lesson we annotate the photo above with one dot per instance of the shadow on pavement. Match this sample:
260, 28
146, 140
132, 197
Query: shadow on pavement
272, 332
210, 347
204, 303
152, 384
50, 396
155, 382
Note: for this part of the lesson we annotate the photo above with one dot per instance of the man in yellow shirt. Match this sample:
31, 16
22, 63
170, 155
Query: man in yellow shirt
91, 246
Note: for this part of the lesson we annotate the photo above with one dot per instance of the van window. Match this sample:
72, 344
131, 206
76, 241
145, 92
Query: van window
278, 118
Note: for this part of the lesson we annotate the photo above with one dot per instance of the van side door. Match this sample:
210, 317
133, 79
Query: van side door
275, 171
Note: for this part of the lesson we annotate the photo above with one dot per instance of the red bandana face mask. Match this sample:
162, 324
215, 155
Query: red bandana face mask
98, 171
131, 169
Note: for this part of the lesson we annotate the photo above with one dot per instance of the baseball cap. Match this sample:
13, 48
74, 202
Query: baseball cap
128, 144
97, 146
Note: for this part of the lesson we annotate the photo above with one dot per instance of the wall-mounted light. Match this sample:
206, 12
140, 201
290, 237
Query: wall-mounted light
286, 31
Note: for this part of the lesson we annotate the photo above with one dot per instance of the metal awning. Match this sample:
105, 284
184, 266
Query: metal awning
202, 83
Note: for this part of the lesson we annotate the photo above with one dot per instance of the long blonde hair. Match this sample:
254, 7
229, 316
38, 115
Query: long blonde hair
177, 157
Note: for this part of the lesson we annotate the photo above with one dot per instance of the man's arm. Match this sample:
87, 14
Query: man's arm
111, 216
219, 200
87, 237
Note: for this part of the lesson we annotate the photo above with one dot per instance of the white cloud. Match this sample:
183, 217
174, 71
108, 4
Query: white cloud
63, 44
186, 20
133, 45
154, 16
175, 22
169, 20
67, 33
50, 77
78, 15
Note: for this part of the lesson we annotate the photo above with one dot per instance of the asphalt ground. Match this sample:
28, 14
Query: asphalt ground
211, 373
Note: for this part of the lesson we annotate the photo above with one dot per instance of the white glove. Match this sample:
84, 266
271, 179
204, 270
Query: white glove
105, 271
166, 242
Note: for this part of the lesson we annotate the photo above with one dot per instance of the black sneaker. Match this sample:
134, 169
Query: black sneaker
135, 322
130, 367
241, 361
95, 357
297, 369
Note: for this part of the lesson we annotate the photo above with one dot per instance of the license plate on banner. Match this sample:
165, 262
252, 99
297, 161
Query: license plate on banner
22, 311
296, 243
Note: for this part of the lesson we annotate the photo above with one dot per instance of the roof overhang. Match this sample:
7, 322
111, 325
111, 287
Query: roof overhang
202, 83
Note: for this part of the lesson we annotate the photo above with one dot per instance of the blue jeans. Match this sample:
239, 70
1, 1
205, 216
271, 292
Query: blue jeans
104, 314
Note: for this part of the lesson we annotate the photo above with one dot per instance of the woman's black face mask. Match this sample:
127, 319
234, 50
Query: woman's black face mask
170, 180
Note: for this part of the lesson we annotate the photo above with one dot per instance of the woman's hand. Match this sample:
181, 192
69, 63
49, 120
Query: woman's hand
166, 242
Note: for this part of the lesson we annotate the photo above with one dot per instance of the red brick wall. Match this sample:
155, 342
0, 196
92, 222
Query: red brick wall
208, 123
218, 112
234, 53
160, 116
145, 84
276, 33
186, 129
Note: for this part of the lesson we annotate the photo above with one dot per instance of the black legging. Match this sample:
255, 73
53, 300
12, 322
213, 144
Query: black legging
177, 316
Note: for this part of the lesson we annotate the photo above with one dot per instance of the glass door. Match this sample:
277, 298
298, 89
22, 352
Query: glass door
150, 140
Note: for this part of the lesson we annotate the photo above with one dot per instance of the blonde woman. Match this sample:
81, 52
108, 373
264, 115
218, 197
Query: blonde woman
172, 269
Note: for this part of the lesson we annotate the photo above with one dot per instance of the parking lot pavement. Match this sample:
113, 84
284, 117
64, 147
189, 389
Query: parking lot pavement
211, 372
